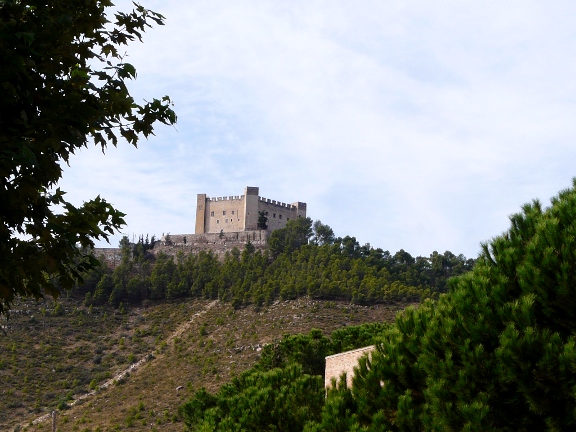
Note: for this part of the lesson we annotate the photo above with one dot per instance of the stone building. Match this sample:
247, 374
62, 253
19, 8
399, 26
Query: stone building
345, 362
222, 223
240, 213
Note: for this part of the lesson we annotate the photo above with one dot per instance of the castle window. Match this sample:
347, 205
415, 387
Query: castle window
232, 211
280, 216
212, 214
274, 215
287, 219
266, 213
217, 221
224, 213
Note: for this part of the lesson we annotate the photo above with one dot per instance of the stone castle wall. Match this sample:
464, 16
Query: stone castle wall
345, 362
279, 213
224, 214
194, 243
240, 213
238, 238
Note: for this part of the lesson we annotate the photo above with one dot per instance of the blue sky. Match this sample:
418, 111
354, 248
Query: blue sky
415, 125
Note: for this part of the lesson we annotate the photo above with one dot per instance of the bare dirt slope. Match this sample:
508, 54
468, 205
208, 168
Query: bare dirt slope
177, 349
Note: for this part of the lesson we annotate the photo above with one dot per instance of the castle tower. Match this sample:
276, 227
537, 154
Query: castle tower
300, 209
240, 213
251, 208
200, 214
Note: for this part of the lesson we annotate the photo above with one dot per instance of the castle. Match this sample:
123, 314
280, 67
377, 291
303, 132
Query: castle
240, 213
223, 223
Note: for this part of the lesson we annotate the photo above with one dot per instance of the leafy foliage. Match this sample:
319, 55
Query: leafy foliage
496, 353
323, 234
310, 350
275, 400
63, 81
283, 392
286, 240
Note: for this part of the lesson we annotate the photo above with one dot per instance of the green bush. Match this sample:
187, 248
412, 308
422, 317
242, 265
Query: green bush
283, 391
280, 400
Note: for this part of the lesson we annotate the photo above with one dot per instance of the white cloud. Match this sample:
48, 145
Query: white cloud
411, 125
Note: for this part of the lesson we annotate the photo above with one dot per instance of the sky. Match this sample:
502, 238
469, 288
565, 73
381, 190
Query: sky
410, 125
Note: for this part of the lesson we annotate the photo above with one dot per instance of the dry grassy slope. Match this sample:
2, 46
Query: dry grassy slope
190, 350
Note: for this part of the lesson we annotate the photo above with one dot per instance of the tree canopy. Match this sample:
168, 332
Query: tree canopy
262, 220
323, 234
295, 234
63, 85
497, 352
340, 271
283, 391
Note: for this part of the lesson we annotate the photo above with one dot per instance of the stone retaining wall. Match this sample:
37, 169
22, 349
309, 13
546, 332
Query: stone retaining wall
171, 244
345, 362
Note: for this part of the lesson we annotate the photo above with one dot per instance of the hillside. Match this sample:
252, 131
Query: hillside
55, 356
131, 344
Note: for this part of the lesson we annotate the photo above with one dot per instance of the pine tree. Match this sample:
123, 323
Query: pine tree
262, 220
496, 353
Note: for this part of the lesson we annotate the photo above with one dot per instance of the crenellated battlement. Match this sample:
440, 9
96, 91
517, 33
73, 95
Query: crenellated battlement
228, 198
277, 203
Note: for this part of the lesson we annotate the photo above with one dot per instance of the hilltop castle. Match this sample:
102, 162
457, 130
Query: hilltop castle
223, 223
240, 213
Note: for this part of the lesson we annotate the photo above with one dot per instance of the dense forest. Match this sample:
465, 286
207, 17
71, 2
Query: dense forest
496, 352
303, 259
